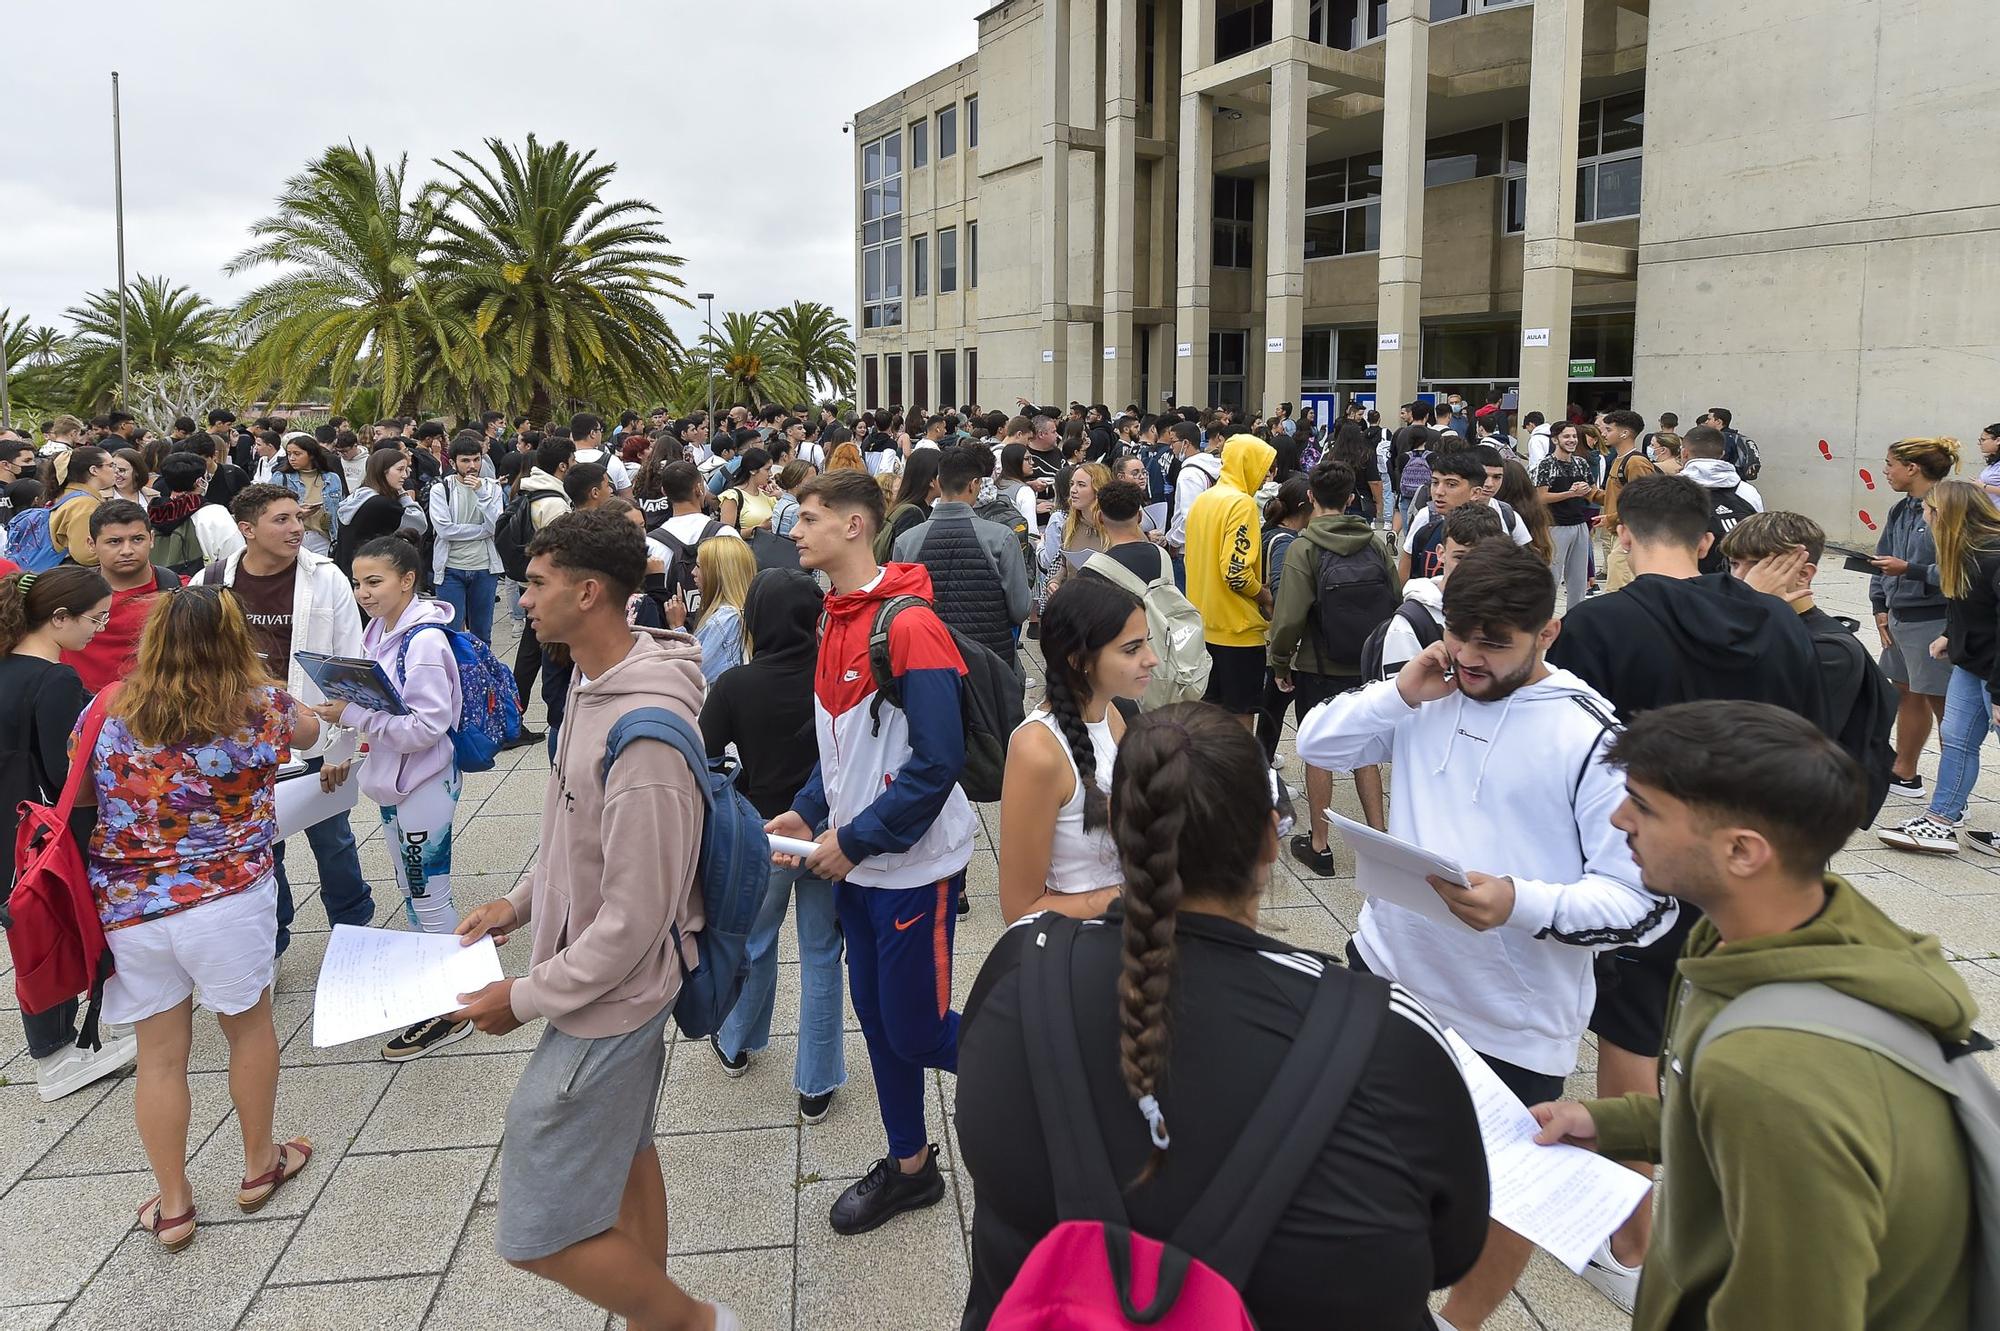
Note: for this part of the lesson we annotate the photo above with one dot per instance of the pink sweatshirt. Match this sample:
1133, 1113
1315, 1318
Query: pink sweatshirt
406, 751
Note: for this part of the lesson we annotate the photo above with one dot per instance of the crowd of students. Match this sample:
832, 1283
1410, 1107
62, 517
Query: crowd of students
1611, 699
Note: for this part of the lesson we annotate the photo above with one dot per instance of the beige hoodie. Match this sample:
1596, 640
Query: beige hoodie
617, 864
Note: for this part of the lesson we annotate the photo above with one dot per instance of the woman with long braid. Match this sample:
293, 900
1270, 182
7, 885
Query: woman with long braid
1184, 1014
1056, 851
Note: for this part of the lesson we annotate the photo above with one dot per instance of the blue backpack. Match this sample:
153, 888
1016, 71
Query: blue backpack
734, 868
28, 541
489, 702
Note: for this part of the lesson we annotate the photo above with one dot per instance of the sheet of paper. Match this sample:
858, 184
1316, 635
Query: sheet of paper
302, 804
1563, 1199
1395, 870
377, 980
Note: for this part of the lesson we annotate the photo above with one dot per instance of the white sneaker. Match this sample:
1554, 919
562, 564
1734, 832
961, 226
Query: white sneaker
1612, 1278
1925, 832
726, 1319
71, 1069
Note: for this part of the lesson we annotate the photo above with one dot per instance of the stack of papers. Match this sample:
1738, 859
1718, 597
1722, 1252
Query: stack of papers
377, 980
1396, 870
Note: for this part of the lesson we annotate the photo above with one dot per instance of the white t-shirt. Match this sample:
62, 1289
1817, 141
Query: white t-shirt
688, 527
614, 467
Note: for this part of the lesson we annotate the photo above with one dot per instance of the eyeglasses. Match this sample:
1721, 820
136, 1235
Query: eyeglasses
99, 621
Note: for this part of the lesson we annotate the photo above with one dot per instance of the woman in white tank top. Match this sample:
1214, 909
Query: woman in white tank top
1056, 851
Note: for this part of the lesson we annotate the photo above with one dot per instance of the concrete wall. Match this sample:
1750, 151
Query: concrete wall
1820, 247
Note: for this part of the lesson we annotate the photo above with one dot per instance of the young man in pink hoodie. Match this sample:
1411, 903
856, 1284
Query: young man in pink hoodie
582, 1201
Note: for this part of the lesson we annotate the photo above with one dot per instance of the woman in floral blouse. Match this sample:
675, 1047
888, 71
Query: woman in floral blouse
184, 772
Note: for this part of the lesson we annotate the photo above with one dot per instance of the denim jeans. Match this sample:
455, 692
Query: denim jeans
470, 592
820, 1064
342, 889
1968, 716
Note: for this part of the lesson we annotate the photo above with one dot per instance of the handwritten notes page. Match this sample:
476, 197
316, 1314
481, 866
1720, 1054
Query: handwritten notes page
1563, 1199
377, 980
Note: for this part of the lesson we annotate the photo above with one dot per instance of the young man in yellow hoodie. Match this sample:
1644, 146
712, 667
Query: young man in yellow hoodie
1225, 577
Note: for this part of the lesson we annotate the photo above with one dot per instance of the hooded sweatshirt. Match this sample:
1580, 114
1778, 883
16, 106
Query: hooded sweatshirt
1400, 643
616, 872
1715, 474
1808, 1182
1294, 643
1224, 554
890, 788
1520, 788
406, 751
1663, 640
764, 706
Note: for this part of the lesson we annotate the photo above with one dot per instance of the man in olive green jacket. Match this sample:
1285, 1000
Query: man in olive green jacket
1808, 1182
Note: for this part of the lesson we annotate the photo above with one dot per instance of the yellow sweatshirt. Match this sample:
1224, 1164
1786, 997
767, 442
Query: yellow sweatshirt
1224, 550
69, 524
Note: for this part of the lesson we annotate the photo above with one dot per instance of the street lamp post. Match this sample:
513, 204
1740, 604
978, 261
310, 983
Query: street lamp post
118, 186
708, 297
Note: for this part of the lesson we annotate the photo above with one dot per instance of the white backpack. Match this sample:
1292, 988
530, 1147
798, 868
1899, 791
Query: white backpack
1173, 629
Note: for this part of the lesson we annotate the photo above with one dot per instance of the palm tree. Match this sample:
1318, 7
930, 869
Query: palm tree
354, 307
45, 346
818, 345
559, 285
750, 364
32, 378
164, 326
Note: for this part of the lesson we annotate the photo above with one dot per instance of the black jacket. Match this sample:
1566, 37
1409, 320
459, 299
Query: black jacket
1860, 699
1394, 1207
765, 705
1972, 621
39, 704
1666, 640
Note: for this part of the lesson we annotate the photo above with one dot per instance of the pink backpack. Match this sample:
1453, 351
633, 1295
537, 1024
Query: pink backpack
1092, 1272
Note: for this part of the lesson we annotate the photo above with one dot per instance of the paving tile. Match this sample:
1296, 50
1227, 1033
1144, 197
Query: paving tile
504, 844
443, 1102
208, 1285
851, 1139
370, 1305
756, 1283
54, 1233
30, 1317
298, 968
327, 1106
730, 1189
700, 1097
862, 1281
481, 1292
210, 1051
1308, 927
1562, 1299
385, 1215
107, 1139
33, 1127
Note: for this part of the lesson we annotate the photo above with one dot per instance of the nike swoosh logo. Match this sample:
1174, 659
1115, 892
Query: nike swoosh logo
905, 924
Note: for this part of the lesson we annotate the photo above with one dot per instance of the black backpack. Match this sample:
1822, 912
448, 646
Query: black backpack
516, 529
1861, 713
1353, 595
1726, 509
989, 700
1008, 516
1427, 629
681, 557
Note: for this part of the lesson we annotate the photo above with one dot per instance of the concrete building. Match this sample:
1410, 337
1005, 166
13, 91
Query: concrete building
1790, 208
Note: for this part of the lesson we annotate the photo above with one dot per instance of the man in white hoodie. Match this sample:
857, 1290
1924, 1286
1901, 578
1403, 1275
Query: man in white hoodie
1500, 768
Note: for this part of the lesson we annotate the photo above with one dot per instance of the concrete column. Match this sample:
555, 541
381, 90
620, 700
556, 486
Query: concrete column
1121, 108
1285, 250
1548, 250
1050, 377
1195, 206
1405, 119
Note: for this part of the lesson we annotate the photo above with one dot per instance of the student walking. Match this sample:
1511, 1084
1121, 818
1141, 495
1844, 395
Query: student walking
898, 828
465, 513
1909, 602
184, 761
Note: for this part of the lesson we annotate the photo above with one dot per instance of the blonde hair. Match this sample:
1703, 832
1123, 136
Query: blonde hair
727, 566
1935, 458
1964, 525
197, 672
1100, 476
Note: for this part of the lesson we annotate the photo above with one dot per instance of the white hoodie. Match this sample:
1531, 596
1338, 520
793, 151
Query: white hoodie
1715, 474
1537, 810
1400, 644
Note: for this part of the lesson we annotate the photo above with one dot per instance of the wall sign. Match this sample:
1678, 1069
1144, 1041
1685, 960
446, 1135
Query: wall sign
1183, 350
1048, 357
1534, 337
1389, 342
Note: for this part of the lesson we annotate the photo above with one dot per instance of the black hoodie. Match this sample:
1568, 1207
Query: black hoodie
765, 705
1665, 640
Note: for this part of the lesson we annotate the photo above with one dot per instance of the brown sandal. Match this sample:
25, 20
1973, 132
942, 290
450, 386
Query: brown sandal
161, 1224
255, 1192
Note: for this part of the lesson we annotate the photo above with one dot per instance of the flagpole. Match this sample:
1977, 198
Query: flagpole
118, 180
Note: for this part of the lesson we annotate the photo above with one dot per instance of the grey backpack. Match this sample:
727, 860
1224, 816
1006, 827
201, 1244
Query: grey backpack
1821, 1010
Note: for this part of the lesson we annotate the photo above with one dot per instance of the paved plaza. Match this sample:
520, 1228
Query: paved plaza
391, 1226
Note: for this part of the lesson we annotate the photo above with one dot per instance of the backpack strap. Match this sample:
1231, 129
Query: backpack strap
878, 657
1104, 566
1820, 1009
1235, 1215
85, 753
669, 727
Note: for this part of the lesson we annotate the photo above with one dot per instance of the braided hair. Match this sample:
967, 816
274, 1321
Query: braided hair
1084, 616
1190, 804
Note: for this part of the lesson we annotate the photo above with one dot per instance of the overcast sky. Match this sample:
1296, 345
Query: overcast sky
725, 114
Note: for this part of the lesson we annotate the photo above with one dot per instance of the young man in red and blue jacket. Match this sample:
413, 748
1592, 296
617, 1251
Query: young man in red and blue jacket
898, 828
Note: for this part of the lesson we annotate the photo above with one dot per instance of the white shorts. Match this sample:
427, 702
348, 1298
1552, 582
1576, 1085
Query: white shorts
227, 949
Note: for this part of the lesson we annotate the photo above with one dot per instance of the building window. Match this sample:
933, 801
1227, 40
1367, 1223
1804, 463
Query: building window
1235, 214
1227, 354
1241, 25
947, 380
947, 261
1344, 207
1149, 42
1347, 25
895, 381
920, 378
1450, 9
920, 265
920, 144
1610, 136
871, 378
1466, 156
1514, 169
971, 255
947, 132
972, 121
882, 232
972, 374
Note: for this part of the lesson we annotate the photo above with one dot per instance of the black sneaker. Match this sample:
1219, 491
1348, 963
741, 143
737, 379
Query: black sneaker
1319, 861
1909, 788
885, 1193
1986, 843
424, 1038
735, 1067
522, 740
814, 1108
964, 904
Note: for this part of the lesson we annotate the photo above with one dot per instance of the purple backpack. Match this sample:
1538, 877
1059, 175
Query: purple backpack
1092, 1272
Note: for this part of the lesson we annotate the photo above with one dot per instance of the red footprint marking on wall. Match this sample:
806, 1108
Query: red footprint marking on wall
1867, 521
1825, 451
1866, 479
